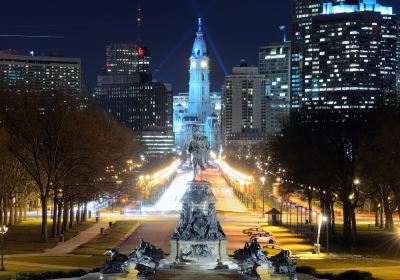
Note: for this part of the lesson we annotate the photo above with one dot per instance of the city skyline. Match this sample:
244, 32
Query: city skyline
92, 28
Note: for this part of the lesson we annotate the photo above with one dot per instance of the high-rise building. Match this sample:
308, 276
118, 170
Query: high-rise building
135, 104
28, 73
351, 61
127, 91
274, 64
198, 110
243, 106
127, 59
303, 12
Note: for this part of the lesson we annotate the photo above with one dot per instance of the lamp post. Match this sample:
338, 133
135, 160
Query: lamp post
327, 236
3, 231
297, 219
317, 245
253, 193
263, 196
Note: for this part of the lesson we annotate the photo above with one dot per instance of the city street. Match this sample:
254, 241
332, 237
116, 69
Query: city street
157, 226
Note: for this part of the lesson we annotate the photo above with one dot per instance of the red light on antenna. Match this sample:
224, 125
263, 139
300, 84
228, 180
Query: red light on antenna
140, 52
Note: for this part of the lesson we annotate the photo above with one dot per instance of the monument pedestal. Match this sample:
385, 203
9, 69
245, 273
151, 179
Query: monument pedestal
199, 239
211, 252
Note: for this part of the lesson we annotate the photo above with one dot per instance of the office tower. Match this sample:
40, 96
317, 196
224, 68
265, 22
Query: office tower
274, 64
243, 106
127, 59
303, 12
136, 105
28, 73
127, 91
351, 62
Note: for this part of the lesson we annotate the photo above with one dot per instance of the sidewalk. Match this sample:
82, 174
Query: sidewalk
67, 247
73, 243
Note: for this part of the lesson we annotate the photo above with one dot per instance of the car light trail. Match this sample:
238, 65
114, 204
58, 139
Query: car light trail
165, 173
170, 201
232, 173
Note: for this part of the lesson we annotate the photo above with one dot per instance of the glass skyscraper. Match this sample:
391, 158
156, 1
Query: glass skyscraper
303, 12
275, 63
350, 64
344, 59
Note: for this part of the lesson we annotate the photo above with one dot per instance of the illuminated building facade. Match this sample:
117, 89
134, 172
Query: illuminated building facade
303, 12
157, 143
127, 91
135, 104
195, 108
244, 106
275, 63
351, 62
127, 59
26, 73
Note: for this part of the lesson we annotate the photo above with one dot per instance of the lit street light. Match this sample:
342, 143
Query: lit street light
3, 231
317, 245
263, 196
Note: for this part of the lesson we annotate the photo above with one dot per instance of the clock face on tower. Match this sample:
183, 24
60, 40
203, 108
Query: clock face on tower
193, 64
203, 64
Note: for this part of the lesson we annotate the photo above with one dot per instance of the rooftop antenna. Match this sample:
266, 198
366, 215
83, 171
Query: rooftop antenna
139, 22
283, 28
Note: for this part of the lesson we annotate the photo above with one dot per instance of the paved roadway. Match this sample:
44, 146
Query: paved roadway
157, 227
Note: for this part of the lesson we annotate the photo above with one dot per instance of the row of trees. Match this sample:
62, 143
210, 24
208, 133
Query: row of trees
62, 150
345, 164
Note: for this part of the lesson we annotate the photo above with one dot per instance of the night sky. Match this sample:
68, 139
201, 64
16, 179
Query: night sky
236, 28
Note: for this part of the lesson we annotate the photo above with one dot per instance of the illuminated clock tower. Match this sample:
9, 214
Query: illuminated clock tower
199, 84
198, 107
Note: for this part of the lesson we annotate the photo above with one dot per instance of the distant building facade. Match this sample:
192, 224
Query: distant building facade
351, 62
196, 109
127, 59
244, 106
275, 64
27, 73
157, 143
135, 104
127, 91
303, 12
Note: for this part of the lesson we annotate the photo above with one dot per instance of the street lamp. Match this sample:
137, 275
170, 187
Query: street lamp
317, 246
3, 231
263, 196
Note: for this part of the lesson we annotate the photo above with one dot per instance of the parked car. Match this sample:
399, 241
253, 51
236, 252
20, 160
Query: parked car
273, 250
263, 238
252, 231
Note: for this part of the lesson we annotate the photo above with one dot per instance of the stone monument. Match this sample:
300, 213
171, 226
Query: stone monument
199, 238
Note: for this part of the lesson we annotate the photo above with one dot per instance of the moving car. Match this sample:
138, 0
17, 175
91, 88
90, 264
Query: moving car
252, 231
264, 238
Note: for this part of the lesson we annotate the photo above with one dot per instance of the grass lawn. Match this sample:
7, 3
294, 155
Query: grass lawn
97, 245
11, 270
387, 270
92, 251
70, 260
290, 241
25, 237
370, 241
